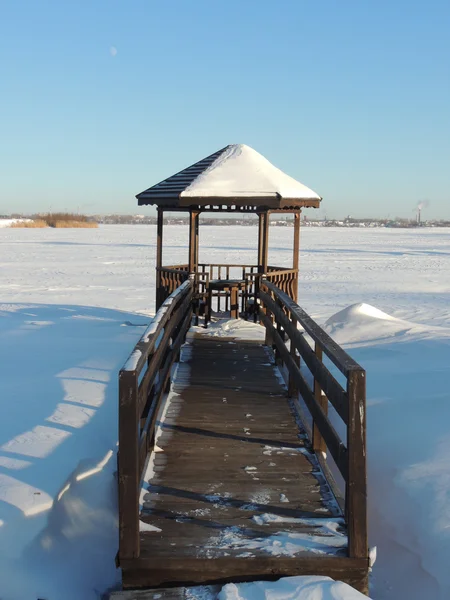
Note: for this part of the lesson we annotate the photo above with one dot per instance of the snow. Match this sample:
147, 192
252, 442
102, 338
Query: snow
240, 171
408, 448
148, 528
133, 360
238, 329
327, 541
291, 588
74, 303
9, 222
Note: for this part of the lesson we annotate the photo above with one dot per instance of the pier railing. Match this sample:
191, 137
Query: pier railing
282, 318
143, 380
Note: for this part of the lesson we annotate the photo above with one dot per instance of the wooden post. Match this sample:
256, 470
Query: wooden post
193, 241
159, 247
319, 444
292, 386
197, 220
356, 490
265, 244
128, 466
296, 257
234, 304
260, 240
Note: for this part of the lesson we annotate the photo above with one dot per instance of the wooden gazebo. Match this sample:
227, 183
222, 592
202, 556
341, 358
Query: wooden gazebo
235, 179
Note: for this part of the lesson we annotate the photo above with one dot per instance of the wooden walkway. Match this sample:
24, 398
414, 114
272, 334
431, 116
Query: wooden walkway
234, 489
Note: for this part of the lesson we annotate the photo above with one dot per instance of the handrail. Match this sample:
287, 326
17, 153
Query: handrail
281, 317
174, 268
226, 265
143, 380
278, 271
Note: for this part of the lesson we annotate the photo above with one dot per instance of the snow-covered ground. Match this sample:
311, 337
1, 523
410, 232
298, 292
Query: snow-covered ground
73, 302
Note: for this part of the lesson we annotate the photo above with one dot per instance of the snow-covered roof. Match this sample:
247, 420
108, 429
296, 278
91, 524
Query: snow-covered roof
237, 175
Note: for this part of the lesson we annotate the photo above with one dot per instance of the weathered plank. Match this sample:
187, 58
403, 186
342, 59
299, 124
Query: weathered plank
193, 571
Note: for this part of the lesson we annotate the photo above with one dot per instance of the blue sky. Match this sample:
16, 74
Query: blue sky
350, 97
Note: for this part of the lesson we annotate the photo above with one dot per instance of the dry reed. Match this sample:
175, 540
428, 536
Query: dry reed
64, 224
58, 221
29, 224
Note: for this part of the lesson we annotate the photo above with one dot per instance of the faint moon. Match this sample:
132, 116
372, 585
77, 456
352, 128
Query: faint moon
113, 51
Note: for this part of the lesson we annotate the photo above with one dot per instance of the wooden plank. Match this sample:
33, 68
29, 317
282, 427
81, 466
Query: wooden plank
215, 571
356, 492
178, 593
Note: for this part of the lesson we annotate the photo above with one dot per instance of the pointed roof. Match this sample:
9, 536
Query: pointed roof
237, 175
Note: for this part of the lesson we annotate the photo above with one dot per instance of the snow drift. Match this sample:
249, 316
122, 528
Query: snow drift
298, 588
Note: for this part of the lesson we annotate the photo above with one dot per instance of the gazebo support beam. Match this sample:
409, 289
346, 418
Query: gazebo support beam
260, 238
193, 240
296, 252
265, 241
159, 248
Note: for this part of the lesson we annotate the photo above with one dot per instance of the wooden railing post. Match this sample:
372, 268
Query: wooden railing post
319, 444
356, 490
292, 386
268, 339
128, 465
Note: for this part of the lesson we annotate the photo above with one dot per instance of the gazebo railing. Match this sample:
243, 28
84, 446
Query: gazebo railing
169, 278
221, 271
285, 279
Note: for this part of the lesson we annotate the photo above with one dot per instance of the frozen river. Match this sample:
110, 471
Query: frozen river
403, 272
72, 304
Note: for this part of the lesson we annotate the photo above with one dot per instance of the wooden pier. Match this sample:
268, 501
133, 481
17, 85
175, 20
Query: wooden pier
226, 447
